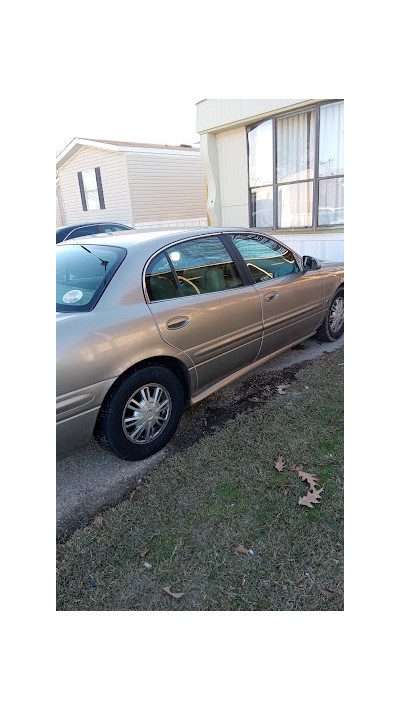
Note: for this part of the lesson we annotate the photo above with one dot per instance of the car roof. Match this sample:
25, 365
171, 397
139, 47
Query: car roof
134, 238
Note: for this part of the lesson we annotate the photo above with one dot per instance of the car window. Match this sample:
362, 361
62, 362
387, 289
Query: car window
83, 274
84, 231
160, 280
61, 233
204, 266
114, 228
265, 258
200, 266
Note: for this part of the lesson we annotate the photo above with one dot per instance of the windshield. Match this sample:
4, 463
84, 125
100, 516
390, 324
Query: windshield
82, 274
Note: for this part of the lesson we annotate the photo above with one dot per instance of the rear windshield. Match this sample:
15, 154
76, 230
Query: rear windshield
82, 274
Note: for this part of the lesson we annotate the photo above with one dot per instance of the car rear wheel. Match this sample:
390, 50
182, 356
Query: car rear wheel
333, 325
141, 413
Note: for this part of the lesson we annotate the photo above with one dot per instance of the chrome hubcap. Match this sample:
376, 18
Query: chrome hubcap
336, 316
146, 413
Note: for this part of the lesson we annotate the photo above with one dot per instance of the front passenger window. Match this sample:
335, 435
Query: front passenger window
265, 258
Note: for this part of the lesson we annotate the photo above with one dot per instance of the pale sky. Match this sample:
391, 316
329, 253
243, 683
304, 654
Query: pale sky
145, 120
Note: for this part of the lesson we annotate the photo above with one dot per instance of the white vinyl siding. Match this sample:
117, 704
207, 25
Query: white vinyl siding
114, 182
219, 113
58, 214
330, 247
167, 189
232, 167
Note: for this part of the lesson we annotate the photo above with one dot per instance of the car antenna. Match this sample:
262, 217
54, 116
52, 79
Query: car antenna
103, 261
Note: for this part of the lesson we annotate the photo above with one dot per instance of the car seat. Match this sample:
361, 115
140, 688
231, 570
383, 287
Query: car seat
162, 288
215, 280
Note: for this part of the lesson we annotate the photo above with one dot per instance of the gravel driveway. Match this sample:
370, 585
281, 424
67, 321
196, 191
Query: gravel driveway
93, 479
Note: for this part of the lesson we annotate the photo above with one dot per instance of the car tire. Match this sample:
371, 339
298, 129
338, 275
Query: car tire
332, 327
134, 421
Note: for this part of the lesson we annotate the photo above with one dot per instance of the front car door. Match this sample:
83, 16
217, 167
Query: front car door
203, 306
292, 298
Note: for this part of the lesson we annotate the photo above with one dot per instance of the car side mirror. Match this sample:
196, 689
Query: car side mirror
311, 263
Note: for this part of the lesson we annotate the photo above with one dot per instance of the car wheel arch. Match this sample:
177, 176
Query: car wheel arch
173, 364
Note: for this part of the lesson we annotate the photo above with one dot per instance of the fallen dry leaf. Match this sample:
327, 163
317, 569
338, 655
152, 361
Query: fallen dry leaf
173, 593
241, 549
295, 467
181, 542
305, 476
311, 498
280, 463
132, 495
282, 388
244, 581
145, 552
285, 492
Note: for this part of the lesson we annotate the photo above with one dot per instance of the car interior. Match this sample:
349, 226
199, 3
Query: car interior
198, 278
194, 279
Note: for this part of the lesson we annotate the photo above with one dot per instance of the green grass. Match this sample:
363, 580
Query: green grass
223, 491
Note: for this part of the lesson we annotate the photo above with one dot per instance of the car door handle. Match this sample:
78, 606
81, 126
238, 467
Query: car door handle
177, 322
271, 296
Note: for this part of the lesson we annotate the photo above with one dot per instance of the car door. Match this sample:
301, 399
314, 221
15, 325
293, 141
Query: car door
292, 298
202, 306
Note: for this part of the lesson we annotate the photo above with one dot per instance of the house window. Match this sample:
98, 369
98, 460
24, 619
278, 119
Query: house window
296, 170
91, 189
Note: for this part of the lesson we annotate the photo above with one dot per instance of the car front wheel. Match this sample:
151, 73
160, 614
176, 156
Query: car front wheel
141, 413
333, 325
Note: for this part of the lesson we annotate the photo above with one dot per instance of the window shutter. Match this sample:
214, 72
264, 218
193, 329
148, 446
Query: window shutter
82, 189
100, 189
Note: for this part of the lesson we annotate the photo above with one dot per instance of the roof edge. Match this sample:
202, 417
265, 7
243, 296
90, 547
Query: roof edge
77, 143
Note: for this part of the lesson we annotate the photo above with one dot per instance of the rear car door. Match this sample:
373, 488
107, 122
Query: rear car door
292, 299
202, 306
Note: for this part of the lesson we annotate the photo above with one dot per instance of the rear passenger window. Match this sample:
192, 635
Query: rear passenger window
203, 266
265, 258
200, 266
160, 280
